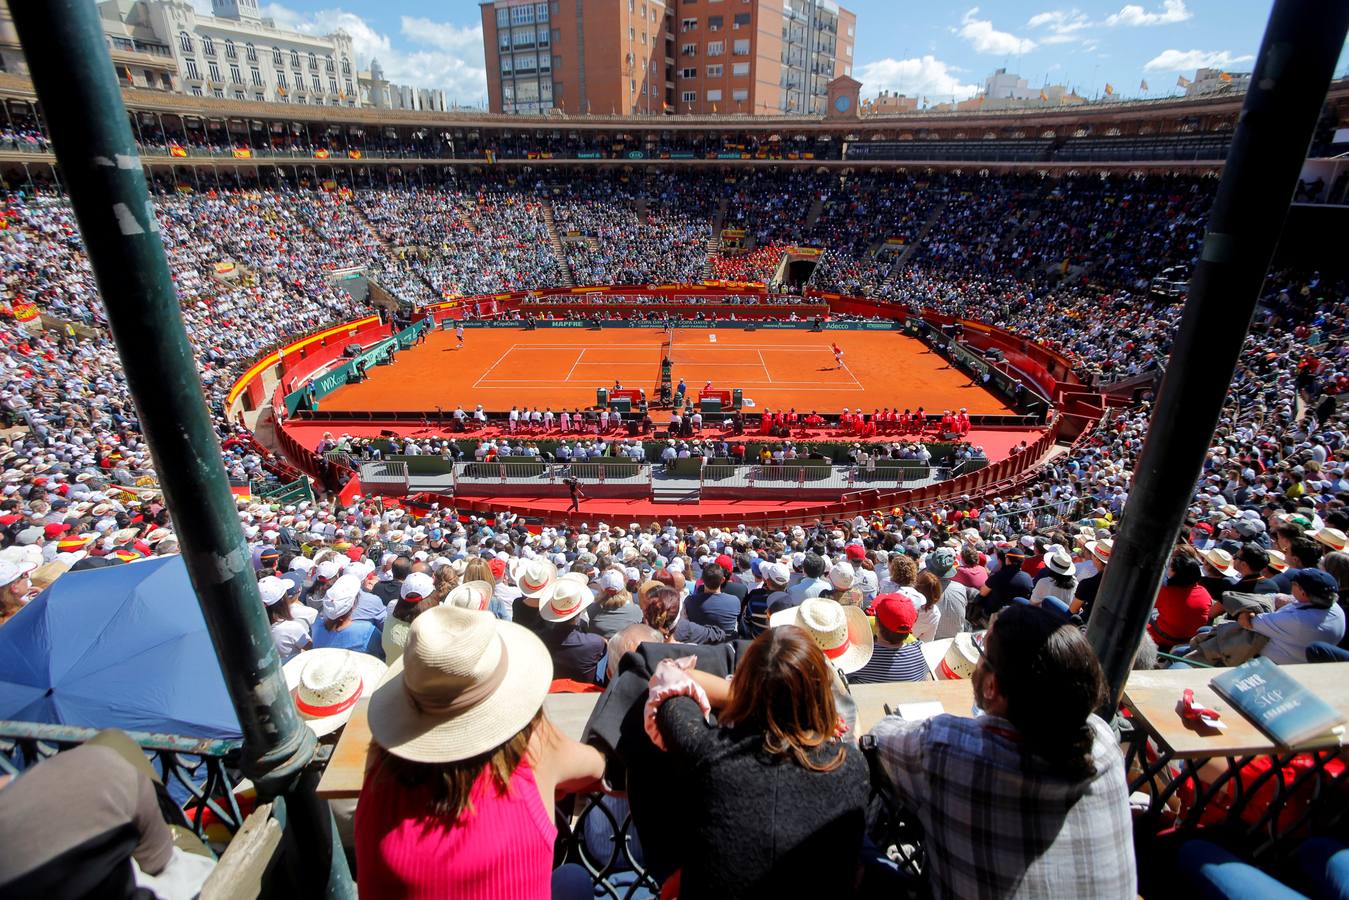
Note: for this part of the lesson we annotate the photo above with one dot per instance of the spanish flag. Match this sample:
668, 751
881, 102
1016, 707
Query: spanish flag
1182, 81
177, 150
1225, 76
321, 153
1109, 89
243, 153
354, 154
1043, 96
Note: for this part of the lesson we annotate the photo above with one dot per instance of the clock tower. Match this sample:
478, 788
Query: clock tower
843, 95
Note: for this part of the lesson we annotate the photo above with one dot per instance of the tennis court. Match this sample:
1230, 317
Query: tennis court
557, 367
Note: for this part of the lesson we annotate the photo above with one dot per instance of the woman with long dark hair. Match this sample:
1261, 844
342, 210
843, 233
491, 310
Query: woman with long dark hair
781, 798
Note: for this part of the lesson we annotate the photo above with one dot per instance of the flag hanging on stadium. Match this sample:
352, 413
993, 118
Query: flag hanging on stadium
1182, 81
1225, 76
1044, 97
321, 153
243, 153
177, 150
1109, 89
354, 154
1143, 86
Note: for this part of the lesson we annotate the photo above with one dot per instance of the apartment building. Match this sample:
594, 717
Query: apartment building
628, 57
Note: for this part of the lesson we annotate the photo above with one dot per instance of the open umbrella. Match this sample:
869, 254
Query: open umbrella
118, 647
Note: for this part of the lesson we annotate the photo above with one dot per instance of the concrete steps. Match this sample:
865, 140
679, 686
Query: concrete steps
669, 493
559, 253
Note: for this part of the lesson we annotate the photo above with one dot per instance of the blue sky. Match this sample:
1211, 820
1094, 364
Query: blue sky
935, 50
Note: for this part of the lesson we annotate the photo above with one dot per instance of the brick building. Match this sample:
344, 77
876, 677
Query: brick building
631, 57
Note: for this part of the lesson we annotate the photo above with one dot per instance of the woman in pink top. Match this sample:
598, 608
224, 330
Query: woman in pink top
464, 768
971, 571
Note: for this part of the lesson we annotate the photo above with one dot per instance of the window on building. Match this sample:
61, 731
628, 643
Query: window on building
507, 65
260, 97
504, 41
741, 20
192, 71
524, 63
332, 85
688, 25
522, 15
632, 35
281, 81
313, 62
236, 75
240, 95
213, 70
540, 12
276, 57
318, 86
688, 72
346, 66
740, 47
523, 38
689, 96
255, 75
546, 90
230, 51
350, 92
545, 62
196, 92
217, 92
543, 37
713, 96
688, 50
185, 41
740, 94
251, 53
740, 68
503, 17
714, 23
632, 85
716, 48
295, 58
714, 71
328, 65
207, 45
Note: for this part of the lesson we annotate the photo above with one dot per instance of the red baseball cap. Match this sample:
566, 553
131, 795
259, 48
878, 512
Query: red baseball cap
855, 551
54, 530
896, 612
725, 562
498, 567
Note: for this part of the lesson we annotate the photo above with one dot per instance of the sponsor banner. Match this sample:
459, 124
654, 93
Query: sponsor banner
864, 326
729, 155
636, 154
681, 154
588, 154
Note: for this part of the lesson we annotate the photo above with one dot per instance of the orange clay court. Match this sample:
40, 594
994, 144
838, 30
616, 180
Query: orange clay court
562, 367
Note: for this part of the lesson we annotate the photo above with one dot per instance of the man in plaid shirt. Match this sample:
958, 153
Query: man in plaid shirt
1029, 799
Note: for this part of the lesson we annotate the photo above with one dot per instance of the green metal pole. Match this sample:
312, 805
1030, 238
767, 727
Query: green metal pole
91, 137
1287, 89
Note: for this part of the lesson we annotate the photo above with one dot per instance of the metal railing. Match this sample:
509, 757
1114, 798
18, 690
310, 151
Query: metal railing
589, 471
385, 475
200, 774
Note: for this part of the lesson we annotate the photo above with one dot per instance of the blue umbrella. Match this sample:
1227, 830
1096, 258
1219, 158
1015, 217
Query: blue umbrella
118, 647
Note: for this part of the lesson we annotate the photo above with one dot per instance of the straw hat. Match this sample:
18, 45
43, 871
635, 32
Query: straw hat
471, 595
842, 632
1332, 538
465, 684
1277, 561
1101, 549
1059, 561
961, 657
568, 598
534, 577
1220, 560
327, 682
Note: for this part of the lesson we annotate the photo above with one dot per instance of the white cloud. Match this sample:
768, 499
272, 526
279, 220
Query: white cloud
984, 38
1064, 26
447, 56
1188, 60
924, 76
1173, 11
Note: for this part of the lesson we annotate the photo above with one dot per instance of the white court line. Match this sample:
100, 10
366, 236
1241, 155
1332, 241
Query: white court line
578, 362
500, 359
503, 385
850, 374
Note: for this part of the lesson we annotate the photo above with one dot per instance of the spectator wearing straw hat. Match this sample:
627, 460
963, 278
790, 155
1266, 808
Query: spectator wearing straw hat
1302, 553
290, 635
897, 655
779, 798
842, 632
576, 653
337, 628
415, 596
1029, 799
327, 683
1058, 577
464, 767
1089, 587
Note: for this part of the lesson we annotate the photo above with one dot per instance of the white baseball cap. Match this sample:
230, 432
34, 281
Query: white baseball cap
418, 584
272, 589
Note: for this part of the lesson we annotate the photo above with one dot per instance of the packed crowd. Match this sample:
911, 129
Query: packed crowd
576, 605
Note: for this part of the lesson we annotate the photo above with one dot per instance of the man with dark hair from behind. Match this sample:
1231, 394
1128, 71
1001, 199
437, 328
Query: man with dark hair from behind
1029, 798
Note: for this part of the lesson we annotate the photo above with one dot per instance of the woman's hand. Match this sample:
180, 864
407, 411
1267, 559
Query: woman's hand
671, 679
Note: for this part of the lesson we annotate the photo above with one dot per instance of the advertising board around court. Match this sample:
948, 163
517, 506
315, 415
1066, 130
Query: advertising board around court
728, 324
